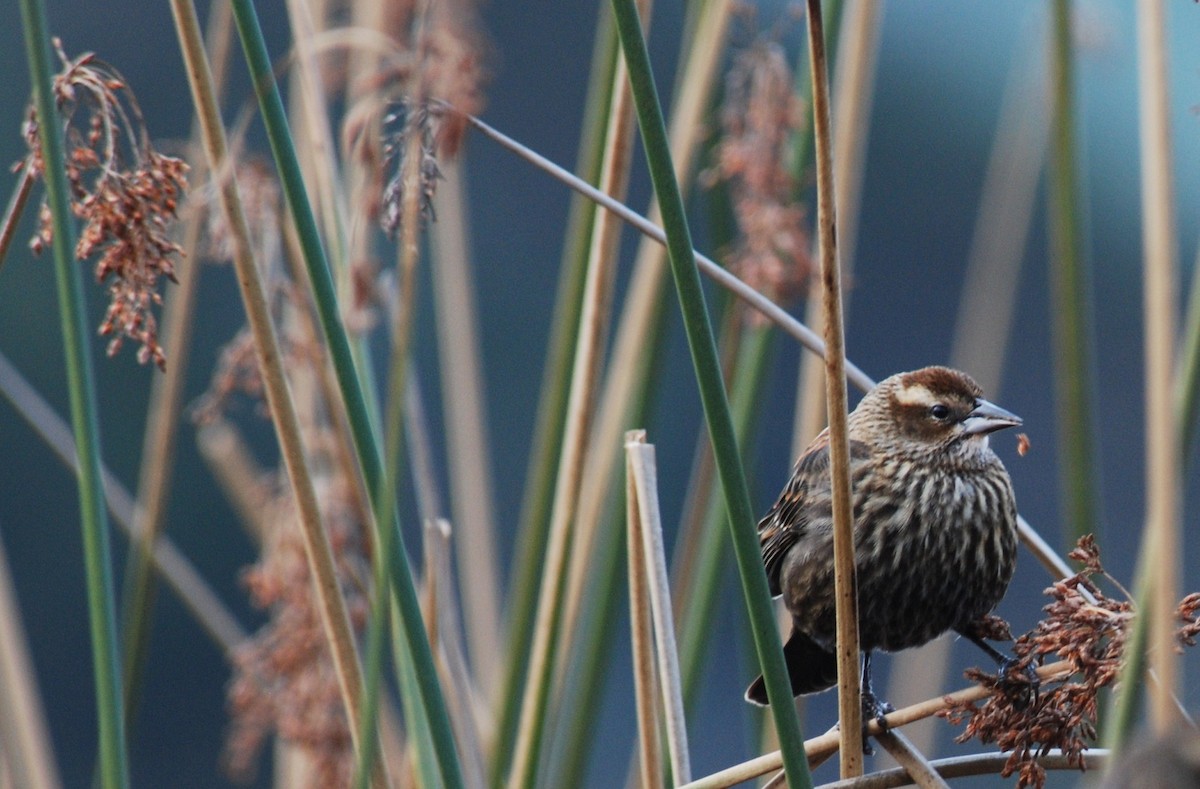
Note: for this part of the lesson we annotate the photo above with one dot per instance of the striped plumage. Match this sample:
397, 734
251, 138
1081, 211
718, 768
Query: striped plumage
934, 524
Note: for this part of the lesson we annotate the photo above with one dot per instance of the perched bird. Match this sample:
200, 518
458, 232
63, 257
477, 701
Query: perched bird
935, 528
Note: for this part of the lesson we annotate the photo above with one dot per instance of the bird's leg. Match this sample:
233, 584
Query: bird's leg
1004, 665
873, 707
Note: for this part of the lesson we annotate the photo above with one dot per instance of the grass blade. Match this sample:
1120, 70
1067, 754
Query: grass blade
114, 771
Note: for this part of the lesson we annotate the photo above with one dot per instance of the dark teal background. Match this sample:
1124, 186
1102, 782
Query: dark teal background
941, 73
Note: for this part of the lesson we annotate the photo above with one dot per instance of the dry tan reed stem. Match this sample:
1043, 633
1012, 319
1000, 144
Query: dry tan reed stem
549, 628
853, 92
24, 736
649, 754
641, 465
646, 284
844, 571
1159, 304
330, 603
827, 743
166, 393
913, 761
468, 452
603, 245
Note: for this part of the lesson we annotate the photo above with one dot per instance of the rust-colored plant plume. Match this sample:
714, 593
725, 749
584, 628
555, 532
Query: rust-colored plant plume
759, 118
1083, 625
284, 678
123, 191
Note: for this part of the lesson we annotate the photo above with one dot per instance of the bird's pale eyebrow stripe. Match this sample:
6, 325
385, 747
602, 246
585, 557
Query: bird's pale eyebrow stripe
915, 394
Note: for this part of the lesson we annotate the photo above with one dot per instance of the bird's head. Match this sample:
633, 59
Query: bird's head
934, 407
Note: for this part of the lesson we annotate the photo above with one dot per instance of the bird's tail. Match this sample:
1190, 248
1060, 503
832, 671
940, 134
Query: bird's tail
810, 666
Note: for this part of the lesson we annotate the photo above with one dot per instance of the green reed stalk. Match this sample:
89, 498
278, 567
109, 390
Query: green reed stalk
114, 771
712, 388
366, 448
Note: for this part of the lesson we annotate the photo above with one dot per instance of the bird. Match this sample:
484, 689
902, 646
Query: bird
935, 529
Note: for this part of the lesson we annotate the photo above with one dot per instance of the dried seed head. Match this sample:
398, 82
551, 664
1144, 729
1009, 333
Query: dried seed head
1083, 625
125, 208
759, 118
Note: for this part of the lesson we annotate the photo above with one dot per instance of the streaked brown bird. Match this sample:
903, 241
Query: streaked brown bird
935, 528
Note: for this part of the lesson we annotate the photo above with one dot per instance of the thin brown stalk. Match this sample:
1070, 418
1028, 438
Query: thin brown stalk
606, 234
649, 755
593, 324
1159, 305
827, 743
468, 452
166, 394
911, 760
642, 467
331, 604
24, 736
626, 366
844, 578
16, 207
853, 93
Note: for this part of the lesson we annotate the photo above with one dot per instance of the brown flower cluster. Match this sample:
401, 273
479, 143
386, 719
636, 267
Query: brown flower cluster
125, 208
759, 118
284, 679
1082, 625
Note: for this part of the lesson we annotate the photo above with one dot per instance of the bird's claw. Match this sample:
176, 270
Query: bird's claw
1020, 682
873, 709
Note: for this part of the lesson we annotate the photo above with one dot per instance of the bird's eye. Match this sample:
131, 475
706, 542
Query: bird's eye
940, 412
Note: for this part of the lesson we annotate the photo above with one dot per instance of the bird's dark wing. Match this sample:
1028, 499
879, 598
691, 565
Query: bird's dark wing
805, 497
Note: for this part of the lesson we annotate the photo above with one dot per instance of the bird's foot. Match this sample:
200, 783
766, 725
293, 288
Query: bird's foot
1019, 681
873, 709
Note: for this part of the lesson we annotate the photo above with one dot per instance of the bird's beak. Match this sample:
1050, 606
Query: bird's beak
988, 418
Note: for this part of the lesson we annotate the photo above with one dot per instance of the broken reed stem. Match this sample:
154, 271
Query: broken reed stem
844, 577
1162, 455
331, 604
825, 744
643, 470
649, 755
